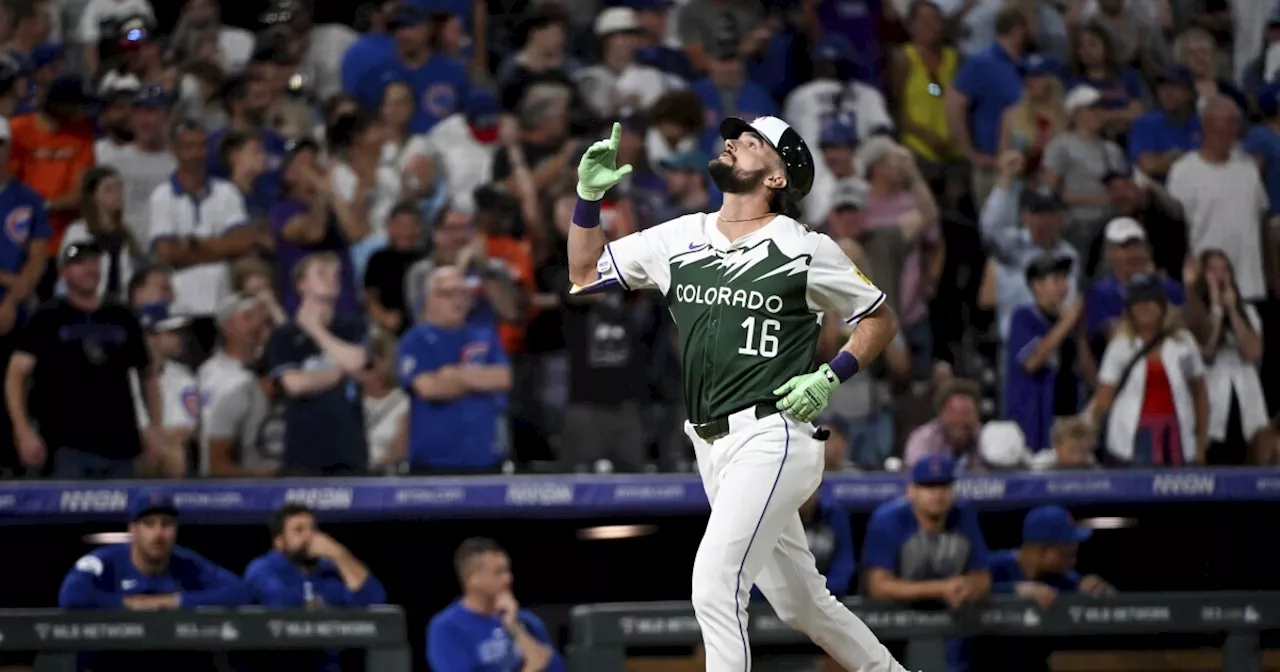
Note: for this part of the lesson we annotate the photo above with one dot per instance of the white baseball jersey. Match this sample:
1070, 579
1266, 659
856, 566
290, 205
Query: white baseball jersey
748, 311
179, 397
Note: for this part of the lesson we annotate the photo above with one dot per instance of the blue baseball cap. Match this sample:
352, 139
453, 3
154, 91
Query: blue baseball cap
1052, 525
153, 97
45, 54
838, 134
406, 16
934, 470
691, 160
833, 49
481, 107
151, 502
1175, 75
646, 5
156, 318
1035, 65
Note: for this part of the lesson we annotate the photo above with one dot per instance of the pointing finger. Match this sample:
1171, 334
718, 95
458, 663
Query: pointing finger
616, 136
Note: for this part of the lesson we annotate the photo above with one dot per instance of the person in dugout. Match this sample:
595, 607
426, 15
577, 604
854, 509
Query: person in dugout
926, 549
150, 572
307, 569
485, 630
1041, 569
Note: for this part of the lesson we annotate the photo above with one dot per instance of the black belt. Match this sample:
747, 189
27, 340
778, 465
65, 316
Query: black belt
719, 427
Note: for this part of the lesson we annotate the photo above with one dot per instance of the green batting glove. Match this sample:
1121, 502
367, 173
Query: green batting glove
598, 171
804, 397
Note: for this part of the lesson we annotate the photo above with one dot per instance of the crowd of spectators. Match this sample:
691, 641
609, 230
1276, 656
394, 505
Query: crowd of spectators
307, 248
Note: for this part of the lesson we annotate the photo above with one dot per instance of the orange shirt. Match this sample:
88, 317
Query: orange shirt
518, 257
51, 162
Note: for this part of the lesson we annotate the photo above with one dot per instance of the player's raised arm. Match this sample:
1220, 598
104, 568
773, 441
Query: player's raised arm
597, 173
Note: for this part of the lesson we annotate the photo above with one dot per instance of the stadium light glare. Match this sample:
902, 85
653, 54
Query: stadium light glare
1108, 523
610, 532
104, 538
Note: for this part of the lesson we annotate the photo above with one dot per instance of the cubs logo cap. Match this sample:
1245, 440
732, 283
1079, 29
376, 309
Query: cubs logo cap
785, 141
151, 502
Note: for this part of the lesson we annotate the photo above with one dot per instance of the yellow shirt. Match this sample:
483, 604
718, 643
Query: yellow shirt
922, 102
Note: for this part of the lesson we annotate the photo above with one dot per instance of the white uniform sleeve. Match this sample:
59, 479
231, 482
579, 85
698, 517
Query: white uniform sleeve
234, 213
163, 225
836, 285
638, 261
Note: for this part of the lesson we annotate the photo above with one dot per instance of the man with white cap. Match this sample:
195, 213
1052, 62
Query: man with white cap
617, 85
747, 287
1074, 164
1126, 253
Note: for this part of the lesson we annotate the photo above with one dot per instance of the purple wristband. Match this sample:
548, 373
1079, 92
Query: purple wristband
844, 365
586, 214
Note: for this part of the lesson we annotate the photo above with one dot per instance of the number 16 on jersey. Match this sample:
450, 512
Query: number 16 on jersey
767, 346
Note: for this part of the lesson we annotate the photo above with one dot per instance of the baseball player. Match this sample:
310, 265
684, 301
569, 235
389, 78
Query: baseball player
747, 287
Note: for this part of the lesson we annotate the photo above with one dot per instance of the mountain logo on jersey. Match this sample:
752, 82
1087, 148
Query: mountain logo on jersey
735, 264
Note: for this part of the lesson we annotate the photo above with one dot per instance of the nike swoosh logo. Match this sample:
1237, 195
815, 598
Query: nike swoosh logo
694, 246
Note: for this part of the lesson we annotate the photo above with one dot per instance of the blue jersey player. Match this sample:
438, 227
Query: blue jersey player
149, 572
485, 630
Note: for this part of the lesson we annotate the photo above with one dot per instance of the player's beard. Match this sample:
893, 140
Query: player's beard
730, 181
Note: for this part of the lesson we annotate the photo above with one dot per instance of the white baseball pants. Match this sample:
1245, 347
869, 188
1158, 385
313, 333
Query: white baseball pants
756, 478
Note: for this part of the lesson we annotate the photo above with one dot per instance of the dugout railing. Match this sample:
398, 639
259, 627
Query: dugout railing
602, 634
57, 635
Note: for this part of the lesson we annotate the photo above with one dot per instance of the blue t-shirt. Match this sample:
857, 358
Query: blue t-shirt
461, 640
288, 254
1006, 574
991, 81
366, 55
751, 101
1263, 142
1032, 398
22, 211
276, 581
896, 543
102, 579
1156, 133
439, 87
267, 187
1117, 92
458, 433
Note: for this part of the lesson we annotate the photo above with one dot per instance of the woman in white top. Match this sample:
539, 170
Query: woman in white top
386, 407
102, 204
1229, 332
1152, 382
402, 151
